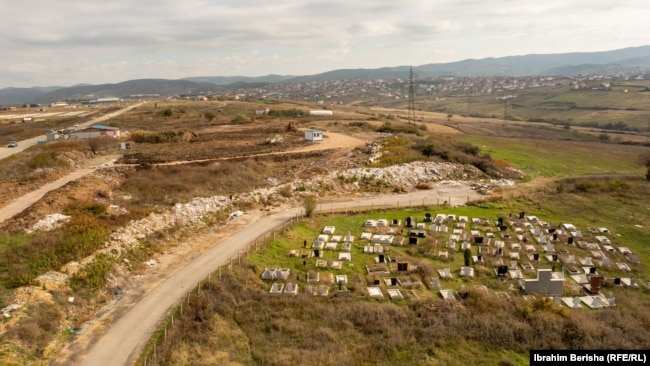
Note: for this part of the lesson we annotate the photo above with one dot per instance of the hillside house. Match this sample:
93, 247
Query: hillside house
260, 111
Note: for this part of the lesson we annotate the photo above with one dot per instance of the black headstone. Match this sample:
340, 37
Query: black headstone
316, 253
570, 240
393, 281
535, 256
376, 282
554, 257
381, 258
521, 215
413, 240
592, 270
554, 236
502, 271
402, 267
500, 221
478, 240
617, 281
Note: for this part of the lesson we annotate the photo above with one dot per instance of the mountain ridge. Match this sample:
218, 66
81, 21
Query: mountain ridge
630, 59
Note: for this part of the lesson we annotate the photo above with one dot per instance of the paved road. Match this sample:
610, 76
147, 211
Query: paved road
125, 339
24, 144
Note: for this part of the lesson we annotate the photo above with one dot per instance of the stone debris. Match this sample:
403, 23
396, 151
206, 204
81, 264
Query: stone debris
6, 311
49, 222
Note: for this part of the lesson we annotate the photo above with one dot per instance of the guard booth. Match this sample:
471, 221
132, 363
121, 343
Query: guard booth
313, 135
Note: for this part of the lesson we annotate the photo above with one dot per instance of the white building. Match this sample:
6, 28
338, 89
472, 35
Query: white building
321, 113
313, 135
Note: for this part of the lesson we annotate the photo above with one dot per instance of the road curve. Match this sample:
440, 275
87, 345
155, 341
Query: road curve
124, 340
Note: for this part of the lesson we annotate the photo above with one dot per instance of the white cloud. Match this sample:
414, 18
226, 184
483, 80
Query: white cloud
48, 42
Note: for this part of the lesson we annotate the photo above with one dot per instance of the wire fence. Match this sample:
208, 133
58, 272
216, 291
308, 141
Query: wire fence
149, 356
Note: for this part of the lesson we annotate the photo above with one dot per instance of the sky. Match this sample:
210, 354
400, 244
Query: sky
67, 42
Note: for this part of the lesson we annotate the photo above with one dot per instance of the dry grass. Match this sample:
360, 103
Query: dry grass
281, 330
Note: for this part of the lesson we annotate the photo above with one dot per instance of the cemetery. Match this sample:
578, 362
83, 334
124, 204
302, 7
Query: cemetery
440, 255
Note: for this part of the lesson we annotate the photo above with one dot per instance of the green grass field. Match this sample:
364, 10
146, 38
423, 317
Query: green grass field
551, 158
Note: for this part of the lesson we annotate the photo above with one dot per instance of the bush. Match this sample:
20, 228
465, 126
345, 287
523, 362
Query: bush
309, 203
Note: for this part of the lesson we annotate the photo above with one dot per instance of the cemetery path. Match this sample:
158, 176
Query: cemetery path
120, 335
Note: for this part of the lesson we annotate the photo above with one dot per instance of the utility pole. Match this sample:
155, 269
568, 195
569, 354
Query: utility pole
411, 116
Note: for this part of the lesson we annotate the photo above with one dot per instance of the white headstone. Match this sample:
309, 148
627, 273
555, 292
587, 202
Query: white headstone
588, 261
632, 282
550, 247
576, 302
321, 290
571, 259
435, 284
513, 264
634, 259
557, 300
596, 302
289, 287
309, 290
447, 272
605, 262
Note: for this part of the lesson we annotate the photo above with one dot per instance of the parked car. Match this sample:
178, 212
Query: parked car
12, 144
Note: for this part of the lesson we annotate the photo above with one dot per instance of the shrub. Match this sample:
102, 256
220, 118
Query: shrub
309, 203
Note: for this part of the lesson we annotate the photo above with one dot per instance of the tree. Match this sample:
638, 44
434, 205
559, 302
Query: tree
309, 204
644, 160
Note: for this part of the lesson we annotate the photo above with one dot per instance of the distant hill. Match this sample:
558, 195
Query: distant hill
227, 80
163, 87
628, 59
24, 95
632, 59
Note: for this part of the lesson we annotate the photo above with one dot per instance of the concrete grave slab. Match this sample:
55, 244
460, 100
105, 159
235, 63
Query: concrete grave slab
572, 302
395, 294
370, 223
467, 272
276, 288
547, 282
375, 292
445, 273
447, 294
291, 289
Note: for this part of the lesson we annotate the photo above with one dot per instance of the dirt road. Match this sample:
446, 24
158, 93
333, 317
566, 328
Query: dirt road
23, 202
124, 340
24, 144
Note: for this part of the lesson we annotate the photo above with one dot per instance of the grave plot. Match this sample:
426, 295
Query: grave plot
329, 230
395, 294
375, 292
291, 289
276, 288
447, 294
445, 273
